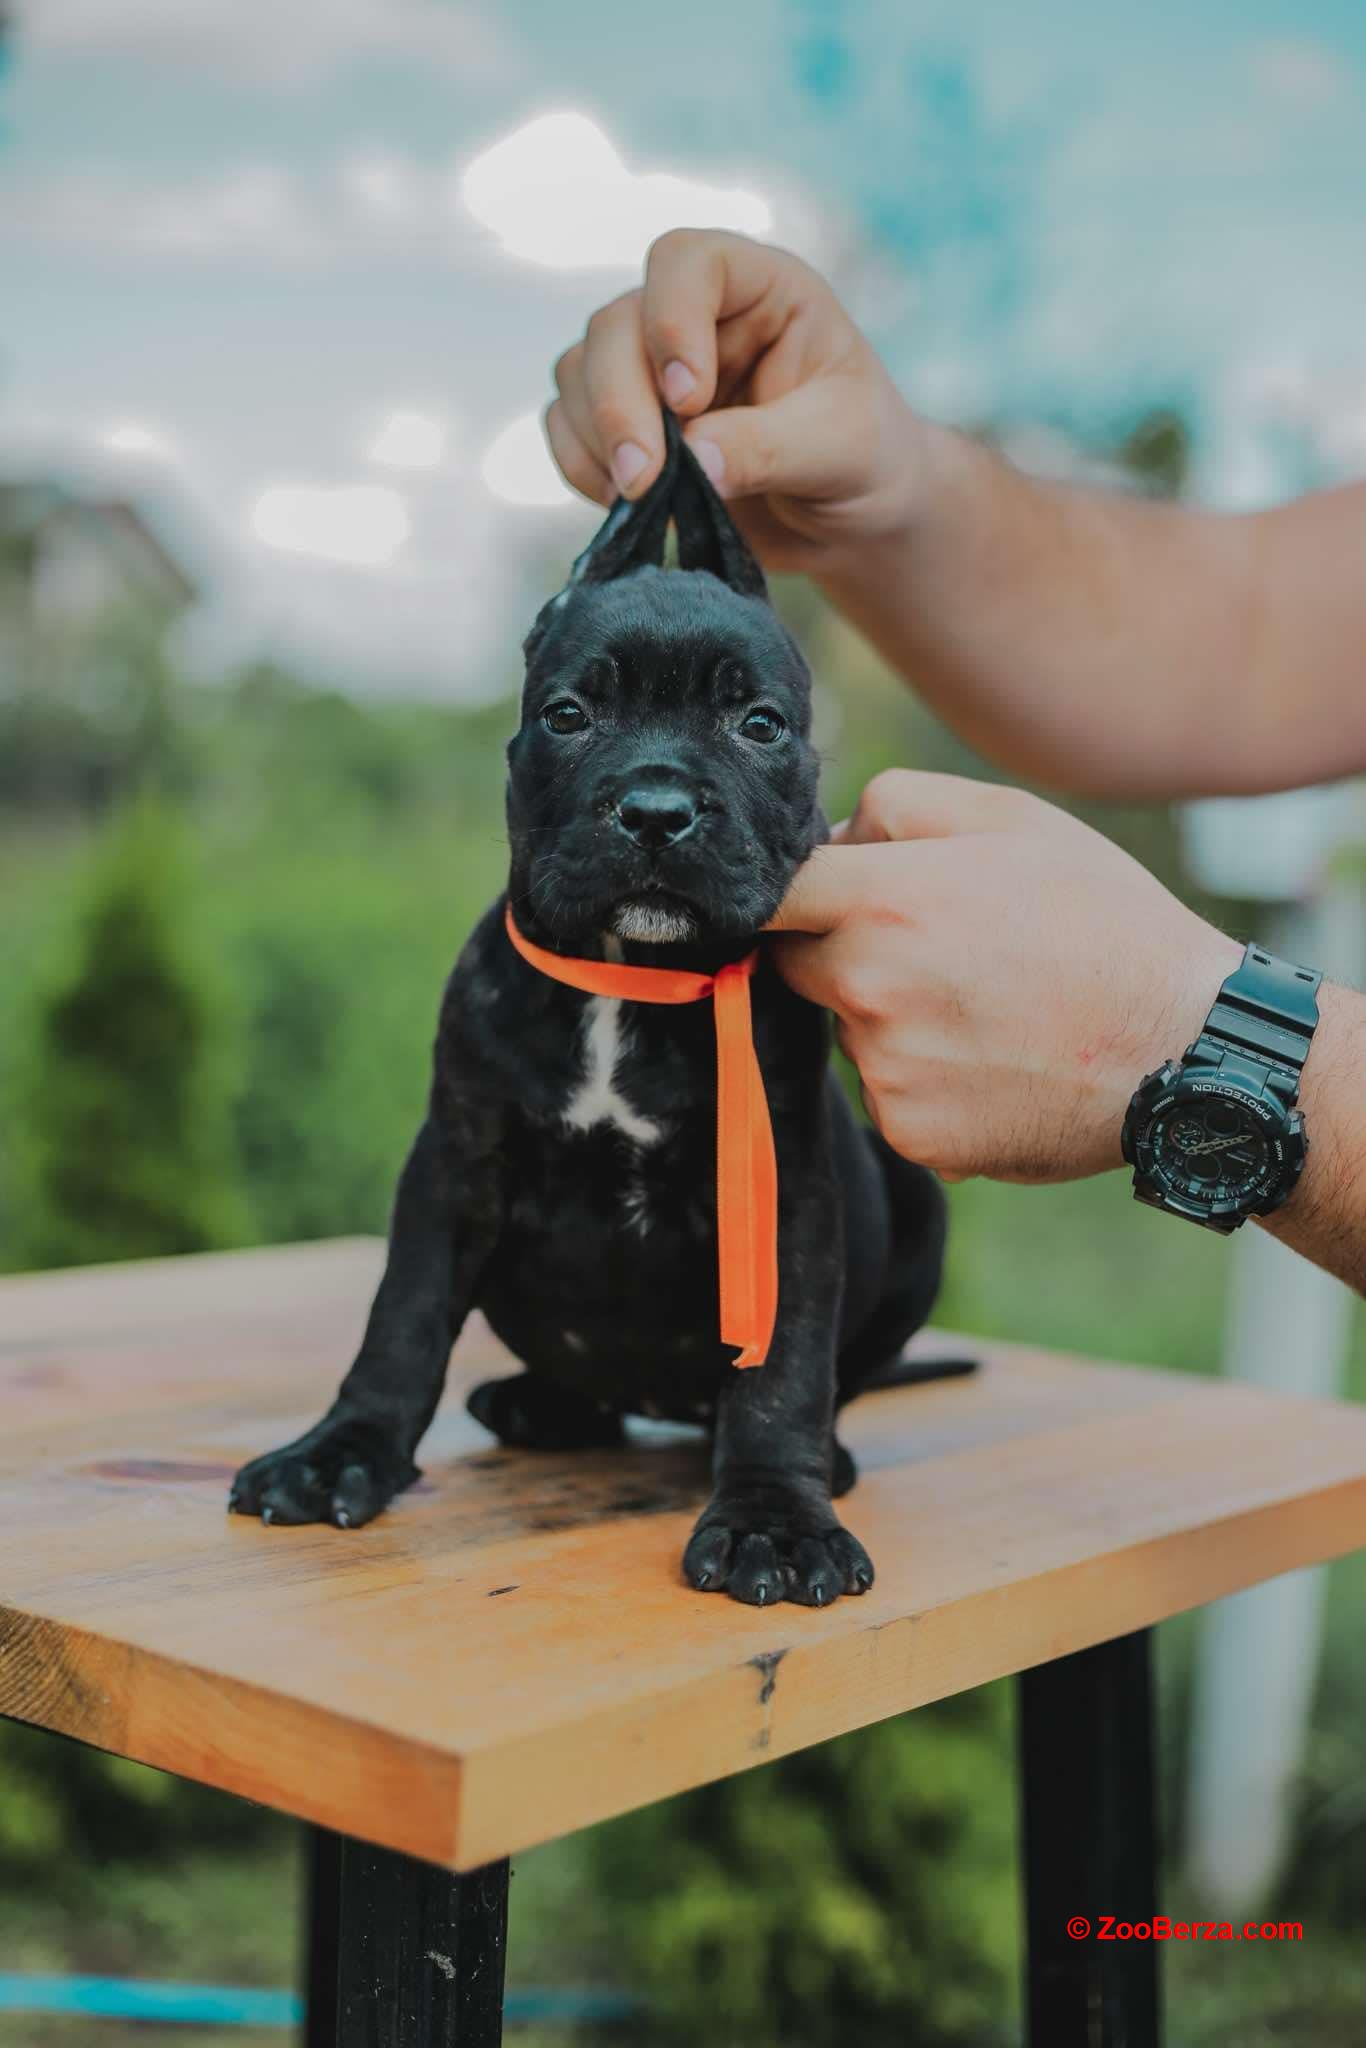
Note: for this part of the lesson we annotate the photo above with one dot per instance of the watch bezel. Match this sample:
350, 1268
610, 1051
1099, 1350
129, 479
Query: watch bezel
1166, 1090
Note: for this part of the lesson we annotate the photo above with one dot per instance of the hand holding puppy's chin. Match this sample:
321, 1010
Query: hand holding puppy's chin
964, 936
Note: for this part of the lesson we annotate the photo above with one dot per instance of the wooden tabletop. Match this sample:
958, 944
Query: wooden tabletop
510, 1653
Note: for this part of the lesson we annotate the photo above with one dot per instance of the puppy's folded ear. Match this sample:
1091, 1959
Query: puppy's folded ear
634, 534
708, 537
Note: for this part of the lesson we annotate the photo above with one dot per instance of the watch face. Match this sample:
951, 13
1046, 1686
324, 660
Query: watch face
1212, 1150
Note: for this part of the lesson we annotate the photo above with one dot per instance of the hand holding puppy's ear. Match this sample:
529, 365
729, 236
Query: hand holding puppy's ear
634, 533
784, 401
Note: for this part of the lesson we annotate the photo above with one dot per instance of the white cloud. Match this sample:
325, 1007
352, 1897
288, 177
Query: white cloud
557, 193
409, 440
270, 44
1302, 73
382, 186
517, 467
360, 525
132, 437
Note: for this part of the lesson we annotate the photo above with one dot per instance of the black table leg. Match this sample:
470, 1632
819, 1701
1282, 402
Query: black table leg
412, 1956
322, 1907
1090, 1847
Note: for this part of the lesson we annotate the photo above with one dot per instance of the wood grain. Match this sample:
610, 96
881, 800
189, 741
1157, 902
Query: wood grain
510, 1652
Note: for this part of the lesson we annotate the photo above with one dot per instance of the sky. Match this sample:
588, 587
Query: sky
294, 276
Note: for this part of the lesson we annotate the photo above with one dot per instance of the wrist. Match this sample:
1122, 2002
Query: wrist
1330, 1200
1185, 973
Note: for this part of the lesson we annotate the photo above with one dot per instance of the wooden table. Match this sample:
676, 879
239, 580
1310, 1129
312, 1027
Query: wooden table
510, 1653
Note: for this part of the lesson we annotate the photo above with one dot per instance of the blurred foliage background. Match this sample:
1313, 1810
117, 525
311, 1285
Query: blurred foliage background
227, 914
230, 893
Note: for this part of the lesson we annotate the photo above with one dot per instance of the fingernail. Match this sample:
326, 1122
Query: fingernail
678, 382
628, 460
713, 462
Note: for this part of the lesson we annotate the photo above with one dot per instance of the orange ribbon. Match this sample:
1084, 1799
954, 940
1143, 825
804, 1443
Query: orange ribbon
746, 1165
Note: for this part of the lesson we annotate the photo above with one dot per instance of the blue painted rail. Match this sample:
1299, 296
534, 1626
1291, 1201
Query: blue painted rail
226, 2005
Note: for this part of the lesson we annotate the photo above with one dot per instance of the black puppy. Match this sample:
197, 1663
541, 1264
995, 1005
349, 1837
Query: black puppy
661, 796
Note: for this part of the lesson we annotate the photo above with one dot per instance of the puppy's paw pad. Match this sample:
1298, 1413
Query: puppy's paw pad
849, 1557
706, 1561
316, 1483
764, 1559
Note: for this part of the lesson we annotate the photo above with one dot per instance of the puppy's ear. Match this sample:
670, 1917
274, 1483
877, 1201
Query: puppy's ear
632, 535
708, 537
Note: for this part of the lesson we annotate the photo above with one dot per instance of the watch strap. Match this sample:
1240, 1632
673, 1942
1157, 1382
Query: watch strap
1267, 1008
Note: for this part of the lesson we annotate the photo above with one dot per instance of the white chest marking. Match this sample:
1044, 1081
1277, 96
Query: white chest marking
597, 1100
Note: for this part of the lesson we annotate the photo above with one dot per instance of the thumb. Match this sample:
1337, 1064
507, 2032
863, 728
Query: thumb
826, 891
802, 445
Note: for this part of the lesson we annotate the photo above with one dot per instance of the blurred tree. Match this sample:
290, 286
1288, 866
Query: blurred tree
1157, 453
92, 712
862, 1891
126, 1129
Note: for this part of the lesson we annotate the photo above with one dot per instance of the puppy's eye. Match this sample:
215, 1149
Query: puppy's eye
565, 717
763, 725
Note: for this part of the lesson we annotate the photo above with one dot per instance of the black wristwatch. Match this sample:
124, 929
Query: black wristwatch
1216, 1137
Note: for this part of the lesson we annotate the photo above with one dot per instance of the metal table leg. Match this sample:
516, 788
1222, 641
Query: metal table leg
1090, 1847
322, 1905
414, 1955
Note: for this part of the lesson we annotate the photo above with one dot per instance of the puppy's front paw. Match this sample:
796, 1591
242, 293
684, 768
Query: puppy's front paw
335, 1474
768, 1550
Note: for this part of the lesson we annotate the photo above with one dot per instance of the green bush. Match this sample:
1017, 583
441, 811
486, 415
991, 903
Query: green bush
126, 1135
860, 1891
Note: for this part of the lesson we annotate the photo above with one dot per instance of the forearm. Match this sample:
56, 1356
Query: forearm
1104, 644
1325, 1218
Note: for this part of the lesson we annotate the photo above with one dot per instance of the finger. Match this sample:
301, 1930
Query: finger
579, 469
625, 426
828, 889
694, 280
799, 958
809, 443
913, 803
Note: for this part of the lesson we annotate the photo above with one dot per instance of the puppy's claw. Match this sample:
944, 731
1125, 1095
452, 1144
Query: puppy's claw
326, 1477
762, 1556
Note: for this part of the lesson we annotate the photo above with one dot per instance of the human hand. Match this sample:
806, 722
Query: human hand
1001, 975
787, 407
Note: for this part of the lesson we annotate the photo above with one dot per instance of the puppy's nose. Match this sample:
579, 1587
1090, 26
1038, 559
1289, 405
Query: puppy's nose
655, 815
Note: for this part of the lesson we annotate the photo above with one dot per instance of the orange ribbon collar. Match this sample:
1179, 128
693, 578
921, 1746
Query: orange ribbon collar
746, 1165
